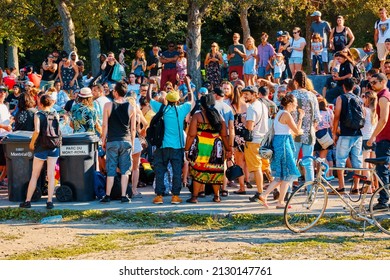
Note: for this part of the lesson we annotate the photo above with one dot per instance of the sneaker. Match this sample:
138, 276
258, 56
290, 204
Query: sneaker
313, 73
26, 204
105, 199
125, 199
49, 205
323, 73
158, 199
176, 199
255, 198
380, 206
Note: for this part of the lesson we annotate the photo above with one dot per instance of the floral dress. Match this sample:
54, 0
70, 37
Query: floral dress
67, 74
239, 142
214, 71
181, 69
84, 118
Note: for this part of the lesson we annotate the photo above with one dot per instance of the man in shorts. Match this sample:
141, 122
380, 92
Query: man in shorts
381, 33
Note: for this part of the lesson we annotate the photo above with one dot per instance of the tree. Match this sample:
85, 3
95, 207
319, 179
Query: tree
68, 30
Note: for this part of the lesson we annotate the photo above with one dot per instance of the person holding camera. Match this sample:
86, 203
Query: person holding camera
108, 68
138, 65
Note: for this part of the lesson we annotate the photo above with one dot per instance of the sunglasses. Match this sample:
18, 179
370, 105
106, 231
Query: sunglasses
171, 46
213, 46
296, 32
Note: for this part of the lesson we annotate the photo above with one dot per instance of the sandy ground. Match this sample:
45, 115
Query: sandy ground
16, 238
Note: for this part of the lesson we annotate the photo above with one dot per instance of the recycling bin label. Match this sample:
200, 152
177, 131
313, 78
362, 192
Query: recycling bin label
74, 150
21, 152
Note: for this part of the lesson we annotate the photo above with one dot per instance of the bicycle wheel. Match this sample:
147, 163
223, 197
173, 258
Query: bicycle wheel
304, 209
381, 217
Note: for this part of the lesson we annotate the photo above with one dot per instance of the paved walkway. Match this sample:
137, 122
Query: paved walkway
232, 204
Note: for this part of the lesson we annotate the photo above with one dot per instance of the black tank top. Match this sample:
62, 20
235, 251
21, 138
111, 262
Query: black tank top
340, 39
47, 75
118, 122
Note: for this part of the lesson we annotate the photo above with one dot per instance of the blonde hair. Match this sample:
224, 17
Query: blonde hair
372, 104
250, 38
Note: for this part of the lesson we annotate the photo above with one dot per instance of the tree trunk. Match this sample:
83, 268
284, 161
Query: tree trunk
194, 42
94, 51
308, 44
12, 57
244, 22
2, 56
67, 26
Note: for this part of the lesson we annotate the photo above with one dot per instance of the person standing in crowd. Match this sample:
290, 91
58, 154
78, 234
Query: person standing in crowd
108, 68
138, 65
84, 117
284, 44
386, 68
324, 126
49, 74
67, 73
154, 65
381, 135
349, 140
118, 133
24, 119
12, 100
212, 63
257, 124
168, 59
204, 149
250, 61
341, 37
283, 163
236, 55
172, 147
42, 154
297, 45
381, 33
321, 27
316, 53
121, 58
307, 101
264, 53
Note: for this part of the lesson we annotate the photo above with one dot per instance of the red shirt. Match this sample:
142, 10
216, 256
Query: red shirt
385, 133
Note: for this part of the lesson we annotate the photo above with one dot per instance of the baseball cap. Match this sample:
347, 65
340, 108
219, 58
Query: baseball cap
252, 89
316, 13
3, 88
279, 33
218, 92
173, 96
203, 91
387, 40
31, 84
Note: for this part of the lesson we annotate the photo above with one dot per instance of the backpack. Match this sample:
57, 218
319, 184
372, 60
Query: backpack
100, 184
51, 136
355, 115
156, 129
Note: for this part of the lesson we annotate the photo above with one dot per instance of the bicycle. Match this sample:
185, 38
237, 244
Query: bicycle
305, 208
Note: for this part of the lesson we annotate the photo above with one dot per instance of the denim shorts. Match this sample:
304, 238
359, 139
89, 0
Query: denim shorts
118, 154
349, 145
295, 60
43, 155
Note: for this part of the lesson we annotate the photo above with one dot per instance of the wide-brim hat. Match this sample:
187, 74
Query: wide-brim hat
85, 92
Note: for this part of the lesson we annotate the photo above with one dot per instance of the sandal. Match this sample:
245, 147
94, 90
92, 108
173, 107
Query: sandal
193, 199
224, 193
262, 201
216, 199
141, 185
282, 207
248, 185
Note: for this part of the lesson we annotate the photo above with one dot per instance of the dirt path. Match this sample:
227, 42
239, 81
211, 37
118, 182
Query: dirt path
185, 243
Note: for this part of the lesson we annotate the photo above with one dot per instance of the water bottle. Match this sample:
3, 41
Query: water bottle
51, 219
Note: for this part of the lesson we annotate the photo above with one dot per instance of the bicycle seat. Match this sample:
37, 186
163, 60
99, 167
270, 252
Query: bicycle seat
376, 161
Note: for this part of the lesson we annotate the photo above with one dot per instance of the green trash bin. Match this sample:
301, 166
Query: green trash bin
78, 156
19, 160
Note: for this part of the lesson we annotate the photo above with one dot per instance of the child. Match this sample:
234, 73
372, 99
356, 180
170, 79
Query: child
278, 65
316, 51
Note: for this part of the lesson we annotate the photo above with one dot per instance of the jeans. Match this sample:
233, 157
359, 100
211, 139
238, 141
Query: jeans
161, 159
317, 58
383, 150
307, 150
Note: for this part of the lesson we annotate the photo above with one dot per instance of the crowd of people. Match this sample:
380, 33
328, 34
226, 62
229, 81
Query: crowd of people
246, 92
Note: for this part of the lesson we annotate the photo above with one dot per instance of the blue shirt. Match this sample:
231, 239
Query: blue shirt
183, 88
173, 134
225, 111
168, 54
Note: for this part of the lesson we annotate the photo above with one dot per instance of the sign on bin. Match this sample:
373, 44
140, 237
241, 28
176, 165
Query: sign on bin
74, 150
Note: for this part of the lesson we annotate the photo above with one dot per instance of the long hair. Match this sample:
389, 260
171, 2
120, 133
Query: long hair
207, 102
372, 103
237, 96
300, 77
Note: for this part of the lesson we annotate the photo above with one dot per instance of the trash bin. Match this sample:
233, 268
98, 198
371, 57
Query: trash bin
77, 160
19, 160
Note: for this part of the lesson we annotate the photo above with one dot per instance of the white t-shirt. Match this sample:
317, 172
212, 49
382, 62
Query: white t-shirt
383, 30
4, 118
368, 127
258, 113
102, 100
297, 44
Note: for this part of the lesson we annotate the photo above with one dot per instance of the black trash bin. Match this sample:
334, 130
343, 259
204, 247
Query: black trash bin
19, 160
78, 158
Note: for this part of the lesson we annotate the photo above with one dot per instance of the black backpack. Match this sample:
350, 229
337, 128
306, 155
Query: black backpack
355, 116
51, 136
357, 74
156, 129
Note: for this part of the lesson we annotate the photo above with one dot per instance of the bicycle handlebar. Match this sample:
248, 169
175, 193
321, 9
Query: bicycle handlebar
305, 162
